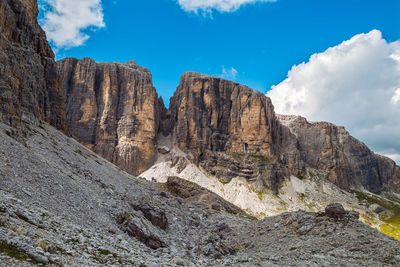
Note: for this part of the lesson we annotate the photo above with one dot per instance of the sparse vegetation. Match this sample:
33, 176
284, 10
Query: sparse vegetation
391, 225
16, 253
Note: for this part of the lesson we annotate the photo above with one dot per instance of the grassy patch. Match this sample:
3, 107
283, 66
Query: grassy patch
391, 225
16, 253
260, 195
389, 205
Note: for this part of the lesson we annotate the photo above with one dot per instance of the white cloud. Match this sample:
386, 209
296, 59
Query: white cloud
396, 97
220, 5
229, 74
66, 20
355, 84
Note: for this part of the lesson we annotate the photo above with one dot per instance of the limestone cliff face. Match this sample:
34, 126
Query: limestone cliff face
346, 161
233, 131
221, 122
228, 129
29, 86
113, 109
210, 113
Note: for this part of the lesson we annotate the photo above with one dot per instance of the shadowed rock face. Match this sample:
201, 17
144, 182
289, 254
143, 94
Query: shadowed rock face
29, 86
112, 108
346, 161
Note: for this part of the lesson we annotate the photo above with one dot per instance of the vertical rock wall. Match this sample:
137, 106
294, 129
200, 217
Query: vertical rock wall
29, 86
112, 108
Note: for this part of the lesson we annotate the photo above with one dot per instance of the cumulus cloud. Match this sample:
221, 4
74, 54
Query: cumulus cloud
207, 6
65, 21
355, 84
229, 74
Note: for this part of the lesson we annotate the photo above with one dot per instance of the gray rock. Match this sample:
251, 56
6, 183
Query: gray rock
335, 210
305, 229
163, 150
376, 208
242, 257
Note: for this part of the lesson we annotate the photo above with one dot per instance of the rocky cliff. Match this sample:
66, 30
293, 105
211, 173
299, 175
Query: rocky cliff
113, 109
346, 161
29, 85
233, 131
226, 128
210, 113
219, 121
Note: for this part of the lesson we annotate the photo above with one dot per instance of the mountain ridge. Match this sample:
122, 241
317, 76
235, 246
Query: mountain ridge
209, 114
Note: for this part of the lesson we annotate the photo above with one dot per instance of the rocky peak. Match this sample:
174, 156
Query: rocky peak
112, 108
30, 88
233, 131
346, 161
210, 113
132, 62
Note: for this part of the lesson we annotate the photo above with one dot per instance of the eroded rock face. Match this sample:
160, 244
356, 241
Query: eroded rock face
29, 86
113, 109
347, 161
210, 113
233, 131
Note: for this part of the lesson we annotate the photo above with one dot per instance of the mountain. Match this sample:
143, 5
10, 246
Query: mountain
227, 138
62, 204
209, 116
29, 85
113, 109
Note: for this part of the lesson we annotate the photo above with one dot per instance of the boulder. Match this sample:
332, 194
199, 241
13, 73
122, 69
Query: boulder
335, 210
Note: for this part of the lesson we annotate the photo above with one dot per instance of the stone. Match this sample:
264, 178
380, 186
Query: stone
135, 228
39, 258
305, 229
242, 257
376, 208
335, 210
354, 214
347, 162
113, 109
157, 218
163, 150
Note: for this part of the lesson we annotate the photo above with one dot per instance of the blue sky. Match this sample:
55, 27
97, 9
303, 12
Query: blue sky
261, 41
